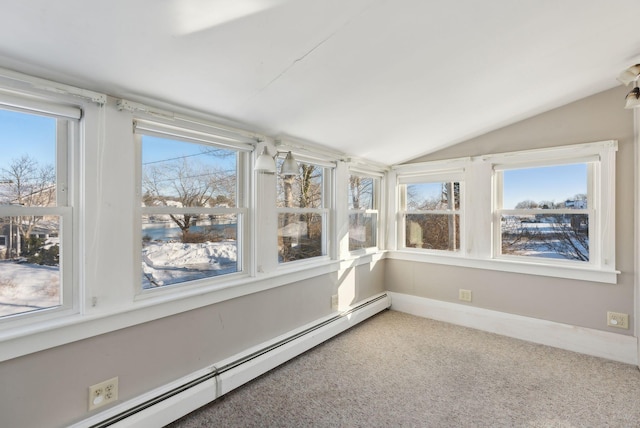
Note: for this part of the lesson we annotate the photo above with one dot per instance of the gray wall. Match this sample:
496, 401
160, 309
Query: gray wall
49, 388
582, 303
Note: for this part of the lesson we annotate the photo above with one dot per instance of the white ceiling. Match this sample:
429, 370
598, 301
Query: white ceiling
385, 80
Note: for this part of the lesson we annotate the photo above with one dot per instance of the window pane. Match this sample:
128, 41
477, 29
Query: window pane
28, 162
299, 236
300, 191
180, 174
550, 236
433, 231
185, 247
362, 231
29, 264
433, 196
561, 186
360, 193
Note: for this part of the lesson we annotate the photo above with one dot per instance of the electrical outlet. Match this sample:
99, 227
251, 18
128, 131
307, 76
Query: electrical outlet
334, 302
464, 295
103, 393
617, 319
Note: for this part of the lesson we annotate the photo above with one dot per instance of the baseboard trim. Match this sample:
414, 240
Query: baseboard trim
616, 347
199, 388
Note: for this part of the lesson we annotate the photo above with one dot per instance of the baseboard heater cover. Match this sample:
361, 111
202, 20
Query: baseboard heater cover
166, 404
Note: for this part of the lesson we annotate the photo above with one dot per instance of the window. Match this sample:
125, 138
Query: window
36, 199
431, 213
545, 211
363, 211
556, 208
302, 213
193, 208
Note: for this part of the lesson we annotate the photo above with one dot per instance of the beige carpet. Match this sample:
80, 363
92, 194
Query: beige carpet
398, 370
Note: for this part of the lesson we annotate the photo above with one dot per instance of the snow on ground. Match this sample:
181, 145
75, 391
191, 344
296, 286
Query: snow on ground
544, 247
165, 263
27, 287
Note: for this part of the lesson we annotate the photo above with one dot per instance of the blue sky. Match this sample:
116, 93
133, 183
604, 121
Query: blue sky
156, 150
551, 183
22, 134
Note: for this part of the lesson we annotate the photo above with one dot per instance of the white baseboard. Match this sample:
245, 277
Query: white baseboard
180, 404
617, 347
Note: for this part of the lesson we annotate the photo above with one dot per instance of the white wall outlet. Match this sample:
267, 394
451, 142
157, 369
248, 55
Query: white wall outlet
617, 319
334, 302
103, 393
464, 295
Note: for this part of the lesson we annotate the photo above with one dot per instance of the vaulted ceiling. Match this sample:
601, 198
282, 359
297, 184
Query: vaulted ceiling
385, 80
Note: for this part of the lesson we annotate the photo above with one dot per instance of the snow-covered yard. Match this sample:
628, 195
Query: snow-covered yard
27, 287
165, 263
546, 239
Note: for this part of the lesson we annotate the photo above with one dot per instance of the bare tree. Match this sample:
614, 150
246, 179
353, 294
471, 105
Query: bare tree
361, 192
185, 182
431, 230
301, 191
566, 235
526, 204
361, 226
29, 184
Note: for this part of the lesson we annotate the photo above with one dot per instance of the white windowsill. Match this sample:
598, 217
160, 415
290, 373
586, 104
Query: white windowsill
529, 268
58, 331
68, 328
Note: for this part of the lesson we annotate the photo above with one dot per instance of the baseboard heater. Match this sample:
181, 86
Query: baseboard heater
162, 406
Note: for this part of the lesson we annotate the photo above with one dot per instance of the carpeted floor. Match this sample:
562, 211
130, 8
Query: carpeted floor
398, 370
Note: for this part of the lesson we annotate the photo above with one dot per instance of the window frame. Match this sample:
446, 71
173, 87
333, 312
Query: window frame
67, 147
601, 158
446, 176
480, 196
376, 204
592, 166
205, 137
328, 171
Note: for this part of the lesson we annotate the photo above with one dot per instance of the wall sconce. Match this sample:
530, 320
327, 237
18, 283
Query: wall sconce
629, 75
633, 98
267, 163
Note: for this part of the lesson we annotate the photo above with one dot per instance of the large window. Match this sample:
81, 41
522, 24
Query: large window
193, 210
363, 211
35, 211
431, 214
302, 213
545, 211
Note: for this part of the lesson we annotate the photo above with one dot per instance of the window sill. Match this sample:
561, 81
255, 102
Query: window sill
44, 334
528, 268
148, 306
360, 258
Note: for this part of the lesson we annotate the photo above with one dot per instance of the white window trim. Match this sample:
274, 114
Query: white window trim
435, 175
145, 126
327, 247
601, 190
378, 186
68, 172
107, 303
478, 197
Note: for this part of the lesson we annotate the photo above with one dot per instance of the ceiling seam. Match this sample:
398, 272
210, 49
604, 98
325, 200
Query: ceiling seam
306, 54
